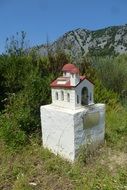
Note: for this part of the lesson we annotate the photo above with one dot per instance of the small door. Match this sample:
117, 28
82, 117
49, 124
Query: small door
84, 96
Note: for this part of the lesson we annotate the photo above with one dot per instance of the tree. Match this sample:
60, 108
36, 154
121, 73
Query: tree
17, 45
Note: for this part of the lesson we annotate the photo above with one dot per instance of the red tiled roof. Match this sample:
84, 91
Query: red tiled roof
55, 84
65, 81
70, 68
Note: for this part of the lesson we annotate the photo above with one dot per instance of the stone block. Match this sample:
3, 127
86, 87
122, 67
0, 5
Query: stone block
65, 130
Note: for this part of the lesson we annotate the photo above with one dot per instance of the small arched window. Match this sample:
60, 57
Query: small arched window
77, 99
62, 95
56, 96
68, 97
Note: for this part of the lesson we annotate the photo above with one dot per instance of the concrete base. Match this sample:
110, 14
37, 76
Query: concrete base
65, 130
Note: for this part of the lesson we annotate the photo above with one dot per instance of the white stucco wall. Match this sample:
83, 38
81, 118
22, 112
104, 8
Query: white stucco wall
63, 130
64, 103
73, 95
74, 79
58, 130
93, 135
67, 74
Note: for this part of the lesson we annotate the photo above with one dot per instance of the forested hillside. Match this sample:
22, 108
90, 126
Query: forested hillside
81, 42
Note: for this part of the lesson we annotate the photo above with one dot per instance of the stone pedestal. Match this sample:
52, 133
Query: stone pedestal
65, 130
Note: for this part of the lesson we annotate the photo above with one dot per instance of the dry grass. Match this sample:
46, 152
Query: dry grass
35, 168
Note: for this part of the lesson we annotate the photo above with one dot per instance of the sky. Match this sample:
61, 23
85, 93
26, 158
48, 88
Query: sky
44, 20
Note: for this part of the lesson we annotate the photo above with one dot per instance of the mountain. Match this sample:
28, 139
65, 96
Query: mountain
107, 41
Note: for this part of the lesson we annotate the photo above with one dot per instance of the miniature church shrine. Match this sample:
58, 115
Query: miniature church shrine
72, 90
72, 119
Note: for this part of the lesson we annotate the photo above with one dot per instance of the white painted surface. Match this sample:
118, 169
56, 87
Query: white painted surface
63, 129
73, 95
58, 131
74, 79
89, 135
63, 103
67, 74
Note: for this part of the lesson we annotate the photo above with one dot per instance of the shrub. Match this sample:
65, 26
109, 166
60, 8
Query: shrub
26, 91
26, 79
10, 132
116, 129
108, 97
112, 72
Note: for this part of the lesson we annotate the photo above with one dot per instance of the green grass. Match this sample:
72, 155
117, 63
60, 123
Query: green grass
116, 133
35, 168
